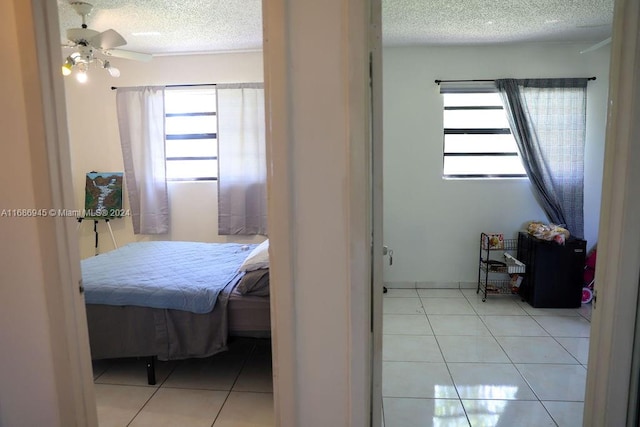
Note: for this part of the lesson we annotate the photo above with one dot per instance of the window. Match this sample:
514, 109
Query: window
477, 140
191, 139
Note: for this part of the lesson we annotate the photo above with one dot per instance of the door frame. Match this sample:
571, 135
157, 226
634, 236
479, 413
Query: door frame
377, 212
613, 326
319, 209
39, 31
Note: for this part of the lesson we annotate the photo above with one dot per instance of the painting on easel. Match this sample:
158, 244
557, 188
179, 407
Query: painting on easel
103, 195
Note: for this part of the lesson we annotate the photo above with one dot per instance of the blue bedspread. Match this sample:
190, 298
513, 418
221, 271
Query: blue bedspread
177, 275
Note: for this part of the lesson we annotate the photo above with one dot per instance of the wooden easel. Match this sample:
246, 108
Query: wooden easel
95, 231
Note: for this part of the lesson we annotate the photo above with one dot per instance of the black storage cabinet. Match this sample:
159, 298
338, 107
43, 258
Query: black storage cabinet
554, 277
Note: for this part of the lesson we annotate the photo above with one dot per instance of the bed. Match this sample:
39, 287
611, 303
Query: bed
175, 300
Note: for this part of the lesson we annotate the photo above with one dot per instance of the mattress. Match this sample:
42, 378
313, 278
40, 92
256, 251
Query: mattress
163, 274
248, 315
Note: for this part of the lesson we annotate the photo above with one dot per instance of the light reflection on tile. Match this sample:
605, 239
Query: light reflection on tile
404, 412
480, 349
506, 413
490, 381
417, 379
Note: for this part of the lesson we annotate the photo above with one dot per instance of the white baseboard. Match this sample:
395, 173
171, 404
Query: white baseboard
400, 285
468, 285
437, 285
431, 285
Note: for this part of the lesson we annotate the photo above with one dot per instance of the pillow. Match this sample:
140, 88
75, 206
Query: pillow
254, 283
258, 258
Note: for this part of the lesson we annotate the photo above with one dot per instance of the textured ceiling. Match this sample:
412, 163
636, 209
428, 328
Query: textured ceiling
165, 26
433, 22
189, 26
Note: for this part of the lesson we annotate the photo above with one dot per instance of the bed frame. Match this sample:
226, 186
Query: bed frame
166, 334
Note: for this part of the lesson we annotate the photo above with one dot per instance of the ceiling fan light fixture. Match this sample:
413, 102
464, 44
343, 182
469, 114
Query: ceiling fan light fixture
81, 76
88, 43
71, 61
113, 71
66, 67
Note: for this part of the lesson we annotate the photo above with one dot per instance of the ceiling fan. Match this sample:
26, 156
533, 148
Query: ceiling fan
87, 43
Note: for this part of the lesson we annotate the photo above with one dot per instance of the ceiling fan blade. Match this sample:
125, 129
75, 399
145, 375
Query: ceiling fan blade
597, 45
107, 40
127, 54
77, 35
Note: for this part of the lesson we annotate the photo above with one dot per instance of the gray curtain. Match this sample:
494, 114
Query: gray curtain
141, 125
548, 120
242, 164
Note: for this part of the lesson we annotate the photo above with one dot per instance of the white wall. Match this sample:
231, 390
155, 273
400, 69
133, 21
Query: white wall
433, 225
95, 141
316, 80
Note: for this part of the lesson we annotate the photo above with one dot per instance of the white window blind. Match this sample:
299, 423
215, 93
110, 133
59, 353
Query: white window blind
477, 139
191, 141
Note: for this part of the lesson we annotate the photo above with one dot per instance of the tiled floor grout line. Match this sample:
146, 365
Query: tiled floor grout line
515, 365
154, 393
511, 360
244, 363
447, 366
518, 370
424, 313
143, 405
527, 382
246, 355
531, 315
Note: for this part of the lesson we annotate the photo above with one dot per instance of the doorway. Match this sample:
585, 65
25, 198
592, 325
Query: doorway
209, 390
440, 338
612, 221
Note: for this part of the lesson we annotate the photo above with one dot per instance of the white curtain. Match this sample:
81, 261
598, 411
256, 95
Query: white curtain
548, 121
242, 174
141, 124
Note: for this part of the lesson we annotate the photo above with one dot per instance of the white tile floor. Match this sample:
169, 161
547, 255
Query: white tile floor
231, 389
450, 359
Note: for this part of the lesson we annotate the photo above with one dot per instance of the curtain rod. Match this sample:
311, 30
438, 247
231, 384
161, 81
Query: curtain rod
482, 80
185, 85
